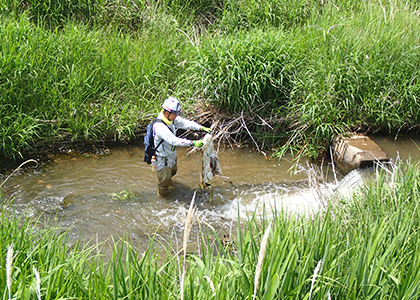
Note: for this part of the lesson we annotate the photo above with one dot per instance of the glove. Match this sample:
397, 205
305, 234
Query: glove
206, 129
197, 143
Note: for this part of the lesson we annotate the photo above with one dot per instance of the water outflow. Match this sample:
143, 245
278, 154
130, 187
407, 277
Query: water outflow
304, 197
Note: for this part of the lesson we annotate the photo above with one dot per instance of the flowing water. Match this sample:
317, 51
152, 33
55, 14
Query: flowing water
98, 197
404, 147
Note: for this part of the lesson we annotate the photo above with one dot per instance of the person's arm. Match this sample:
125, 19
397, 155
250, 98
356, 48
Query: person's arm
183, 123
164, 133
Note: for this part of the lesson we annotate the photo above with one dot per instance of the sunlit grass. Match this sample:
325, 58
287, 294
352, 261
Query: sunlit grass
78, 84
84, 71
337, 72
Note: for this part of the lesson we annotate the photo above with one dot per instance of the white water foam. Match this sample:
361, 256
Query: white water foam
295, 201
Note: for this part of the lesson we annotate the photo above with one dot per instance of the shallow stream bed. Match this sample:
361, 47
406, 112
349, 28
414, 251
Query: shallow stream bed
99, 197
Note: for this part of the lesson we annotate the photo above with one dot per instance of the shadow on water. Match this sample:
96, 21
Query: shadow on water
115, 195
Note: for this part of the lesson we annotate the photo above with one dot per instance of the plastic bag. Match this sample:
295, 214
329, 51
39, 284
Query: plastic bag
211, 165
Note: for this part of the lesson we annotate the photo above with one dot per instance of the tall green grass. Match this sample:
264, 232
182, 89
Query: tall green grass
125, 16
55, 14
248, 71
320, 67
349, 67
78, 84
362, 247
358, 73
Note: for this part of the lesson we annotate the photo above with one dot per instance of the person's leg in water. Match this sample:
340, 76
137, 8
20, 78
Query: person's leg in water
165, 180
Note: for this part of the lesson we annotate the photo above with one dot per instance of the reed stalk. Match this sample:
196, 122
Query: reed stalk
318, 266
9, 264
38, 283
187, 230
261, 254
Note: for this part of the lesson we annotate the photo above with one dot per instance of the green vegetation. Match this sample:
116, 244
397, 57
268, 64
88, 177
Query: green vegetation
98, 70
86, 70
76, 84
365, 247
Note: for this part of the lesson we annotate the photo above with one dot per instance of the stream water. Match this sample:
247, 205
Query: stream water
97, 197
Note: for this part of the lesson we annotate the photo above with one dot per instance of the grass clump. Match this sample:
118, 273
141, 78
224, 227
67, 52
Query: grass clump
348, 67
359, 73
78, 84
249, 71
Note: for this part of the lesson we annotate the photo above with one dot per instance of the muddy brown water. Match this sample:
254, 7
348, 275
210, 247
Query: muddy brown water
403, 147
115, 195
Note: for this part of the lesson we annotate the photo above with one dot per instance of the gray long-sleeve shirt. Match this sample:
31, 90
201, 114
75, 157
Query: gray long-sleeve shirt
166, 152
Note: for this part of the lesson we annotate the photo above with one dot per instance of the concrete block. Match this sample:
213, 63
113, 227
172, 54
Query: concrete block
356, 150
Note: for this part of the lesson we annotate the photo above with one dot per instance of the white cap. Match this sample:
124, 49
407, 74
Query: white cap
172, 105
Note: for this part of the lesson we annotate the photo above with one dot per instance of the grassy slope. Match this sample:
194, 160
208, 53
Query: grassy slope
343, 69
86, 72
78, 84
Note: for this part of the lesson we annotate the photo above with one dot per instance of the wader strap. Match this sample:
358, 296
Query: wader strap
161, 121
159, 144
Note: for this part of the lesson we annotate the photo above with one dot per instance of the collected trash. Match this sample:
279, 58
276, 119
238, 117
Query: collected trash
211, 165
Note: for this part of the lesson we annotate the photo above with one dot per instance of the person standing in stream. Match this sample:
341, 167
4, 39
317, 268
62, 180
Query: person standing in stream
164, 135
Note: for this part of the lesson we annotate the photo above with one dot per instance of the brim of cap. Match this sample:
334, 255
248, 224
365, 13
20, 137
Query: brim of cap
172, 111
